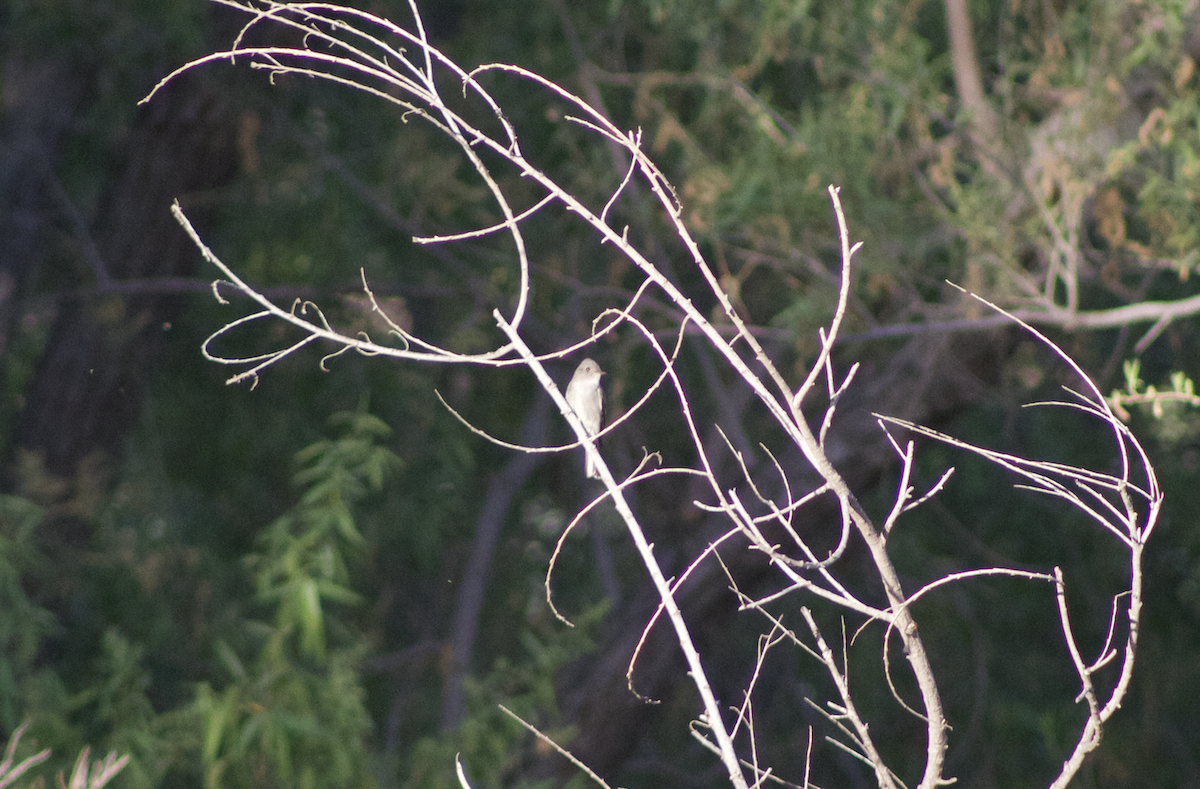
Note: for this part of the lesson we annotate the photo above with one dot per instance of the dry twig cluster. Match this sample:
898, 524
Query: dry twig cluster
398, 65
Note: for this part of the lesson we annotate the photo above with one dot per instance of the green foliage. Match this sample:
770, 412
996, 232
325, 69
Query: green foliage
115, 704
1174, 410
302, 565
278, 724
112, 706
24, 624
293, 713
490, 743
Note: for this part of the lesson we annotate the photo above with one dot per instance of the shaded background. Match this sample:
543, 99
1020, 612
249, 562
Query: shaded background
163, 535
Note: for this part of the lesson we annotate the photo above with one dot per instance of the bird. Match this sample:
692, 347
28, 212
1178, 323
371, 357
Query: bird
586, 399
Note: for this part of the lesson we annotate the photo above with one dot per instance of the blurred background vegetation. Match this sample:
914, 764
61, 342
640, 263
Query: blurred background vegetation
326, 581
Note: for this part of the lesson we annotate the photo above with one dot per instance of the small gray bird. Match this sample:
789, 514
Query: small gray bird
586, 399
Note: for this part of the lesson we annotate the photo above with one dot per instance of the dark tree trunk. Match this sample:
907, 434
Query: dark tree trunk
88, 384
